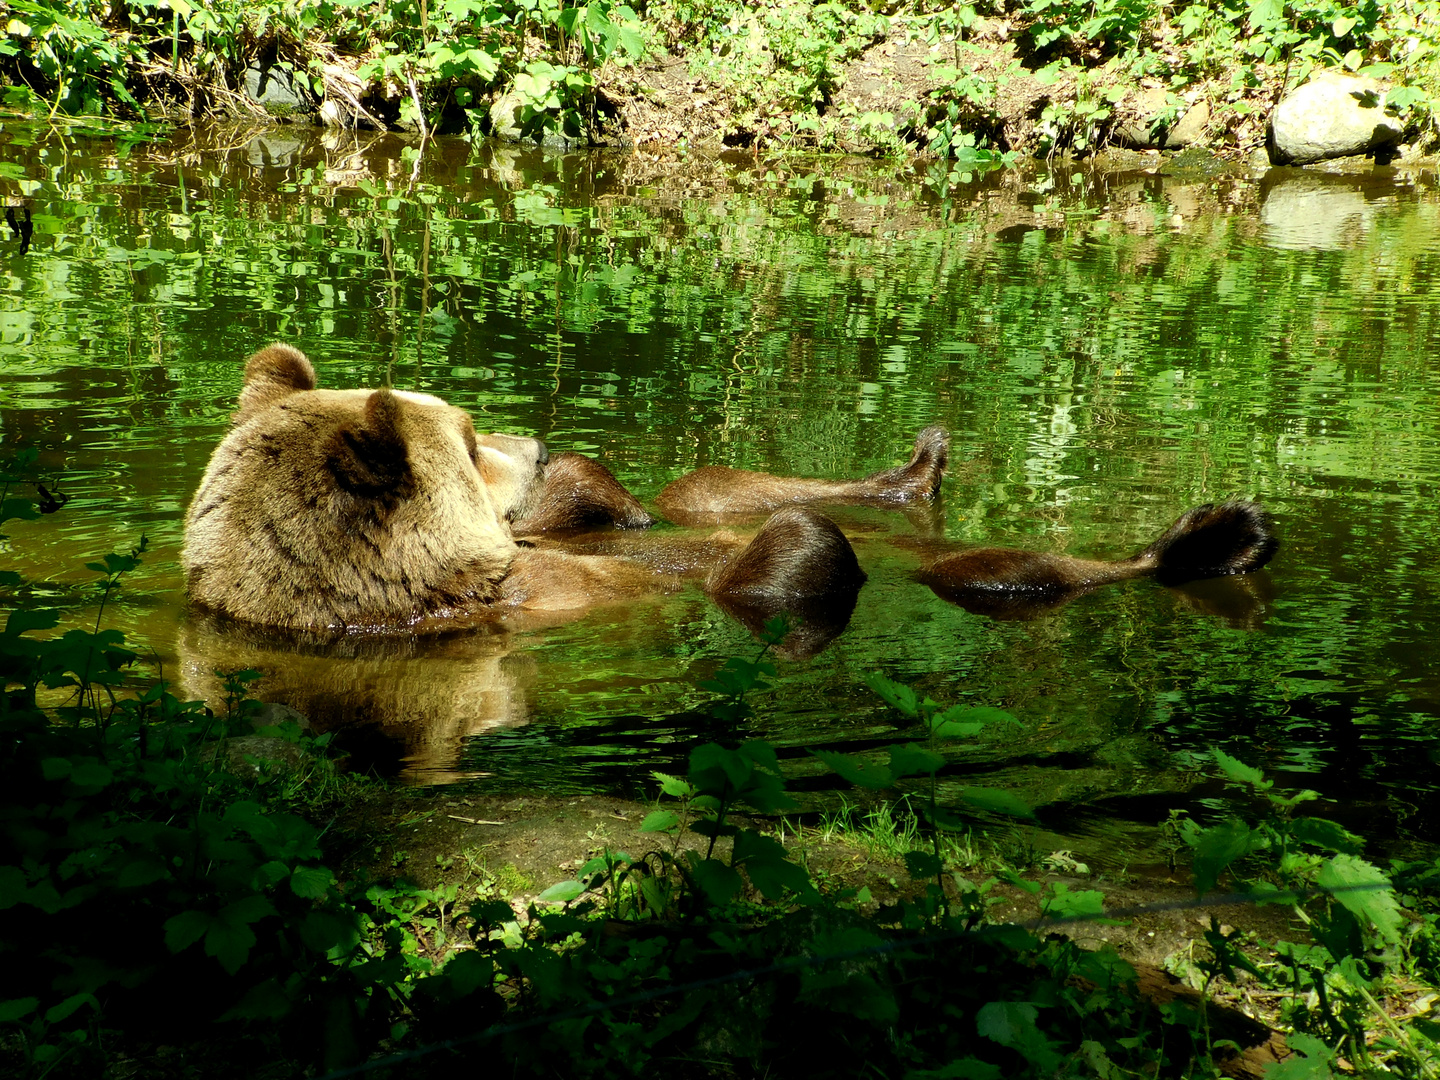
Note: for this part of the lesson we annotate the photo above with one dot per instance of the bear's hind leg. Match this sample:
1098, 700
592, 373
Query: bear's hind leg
715, 493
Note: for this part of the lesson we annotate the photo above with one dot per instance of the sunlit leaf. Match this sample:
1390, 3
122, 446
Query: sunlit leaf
894, 694
1365, 892
562, 892
660, 821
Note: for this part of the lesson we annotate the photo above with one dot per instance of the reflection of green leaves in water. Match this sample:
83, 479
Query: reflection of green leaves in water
1101, 371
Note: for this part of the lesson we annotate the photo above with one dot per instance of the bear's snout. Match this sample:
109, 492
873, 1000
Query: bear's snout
519, 447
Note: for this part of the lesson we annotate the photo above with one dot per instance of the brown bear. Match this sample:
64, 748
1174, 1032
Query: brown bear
383, 510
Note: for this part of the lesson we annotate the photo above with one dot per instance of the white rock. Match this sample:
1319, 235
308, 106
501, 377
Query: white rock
1331, 116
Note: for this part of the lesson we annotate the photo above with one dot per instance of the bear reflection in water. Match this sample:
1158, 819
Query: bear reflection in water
359, 525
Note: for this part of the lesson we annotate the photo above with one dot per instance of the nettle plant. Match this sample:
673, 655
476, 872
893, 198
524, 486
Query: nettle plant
1361, 936
550, 55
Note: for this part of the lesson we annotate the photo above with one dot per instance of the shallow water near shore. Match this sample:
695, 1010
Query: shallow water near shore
1106, 349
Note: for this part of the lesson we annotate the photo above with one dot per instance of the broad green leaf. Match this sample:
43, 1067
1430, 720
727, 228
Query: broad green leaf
911, 759
923, 864
864, 774
491, 912
716, 880
183, 930
714, 768
270, 873
954, 729
56, 1013
247, 909
562, 892
13, 886
774, 876
673, 786
332, 934
996, 801
1326, 834
312, 882
264, 1001
91, 774
962, 721
16, 1008
56, 768
229, 942
1310, 1060
762, 754
18, 508
960, 1069
23, 620
469, 971
846, 986
894, 694
1365, 892
1064, 904
1239, 772
1216, 848
1012, 1024
140, 871
660, 821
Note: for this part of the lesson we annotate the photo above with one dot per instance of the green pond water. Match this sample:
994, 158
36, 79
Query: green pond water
1106, 350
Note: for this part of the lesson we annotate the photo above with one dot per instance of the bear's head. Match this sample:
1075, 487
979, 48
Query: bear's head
352, 509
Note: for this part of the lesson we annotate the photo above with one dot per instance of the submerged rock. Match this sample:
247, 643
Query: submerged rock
1331, 116
274, 87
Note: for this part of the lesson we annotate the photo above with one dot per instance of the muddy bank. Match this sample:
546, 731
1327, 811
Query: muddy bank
518, 846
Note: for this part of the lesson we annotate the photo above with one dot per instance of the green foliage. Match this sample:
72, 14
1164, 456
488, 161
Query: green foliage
913, 759
739, 677
116, 813
465, 48
782, 63
86, 65
124, 815
1350, 907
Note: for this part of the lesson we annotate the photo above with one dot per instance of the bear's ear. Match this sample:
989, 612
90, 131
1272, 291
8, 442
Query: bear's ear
272, 374
369, 459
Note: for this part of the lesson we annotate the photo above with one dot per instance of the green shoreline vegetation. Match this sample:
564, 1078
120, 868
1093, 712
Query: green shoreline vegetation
957, 81
166, 913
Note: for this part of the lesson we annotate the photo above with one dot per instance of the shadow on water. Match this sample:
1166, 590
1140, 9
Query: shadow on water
1106, 350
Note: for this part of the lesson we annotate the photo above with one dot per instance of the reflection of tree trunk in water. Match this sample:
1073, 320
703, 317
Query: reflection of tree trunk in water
424, 291
763, 311
559, 345
389, 324
557, 339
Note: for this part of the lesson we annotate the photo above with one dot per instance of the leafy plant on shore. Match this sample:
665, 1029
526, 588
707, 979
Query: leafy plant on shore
1350, 908
782, 64
912, 759
119, 813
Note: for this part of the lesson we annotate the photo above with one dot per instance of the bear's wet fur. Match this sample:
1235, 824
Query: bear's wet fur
581, 493
383, 510
1213, 540
356, 509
